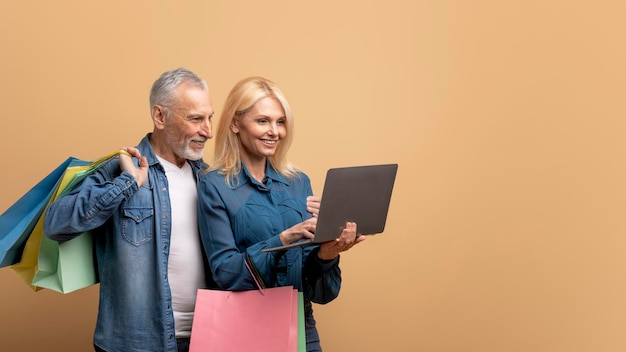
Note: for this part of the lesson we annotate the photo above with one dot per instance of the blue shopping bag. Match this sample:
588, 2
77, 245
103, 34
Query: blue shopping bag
17, 222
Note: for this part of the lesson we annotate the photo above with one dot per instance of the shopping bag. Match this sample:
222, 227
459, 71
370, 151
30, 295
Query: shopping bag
17, 222
301, 332
27, 266
300, 338
61, 266
66, 266
263, 320
260, 321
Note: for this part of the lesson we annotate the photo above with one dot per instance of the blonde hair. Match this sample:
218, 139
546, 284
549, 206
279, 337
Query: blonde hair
241, 99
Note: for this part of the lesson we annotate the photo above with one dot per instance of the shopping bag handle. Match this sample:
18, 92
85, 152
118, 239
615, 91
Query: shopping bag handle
254, 276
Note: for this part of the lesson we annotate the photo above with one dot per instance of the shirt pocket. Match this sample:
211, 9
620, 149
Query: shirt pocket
137, 224
292, 212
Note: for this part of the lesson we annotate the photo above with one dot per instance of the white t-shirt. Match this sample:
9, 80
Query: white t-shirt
185, 265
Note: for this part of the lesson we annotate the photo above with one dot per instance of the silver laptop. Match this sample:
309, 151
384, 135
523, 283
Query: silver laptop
358, 193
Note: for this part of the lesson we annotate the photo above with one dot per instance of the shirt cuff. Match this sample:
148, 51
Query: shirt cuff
127, 184
322, 264
274, 241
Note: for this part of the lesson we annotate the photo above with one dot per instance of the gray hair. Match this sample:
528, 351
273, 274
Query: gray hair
164, 88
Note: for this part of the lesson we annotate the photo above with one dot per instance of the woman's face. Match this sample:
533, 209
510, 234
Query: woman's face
260, 130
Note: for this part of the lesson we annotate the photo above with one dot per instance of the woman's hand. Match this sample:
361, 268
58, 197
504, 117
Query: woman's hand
347, 239
305, 229
313, 205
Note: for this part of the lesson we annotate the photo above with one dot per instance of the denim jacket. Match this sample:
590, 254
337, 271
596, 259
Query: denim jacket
131, 229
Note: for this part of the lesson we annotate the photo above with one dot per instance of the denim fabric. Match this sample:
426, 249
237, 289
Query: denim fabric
237, 223
312, 336
131, 227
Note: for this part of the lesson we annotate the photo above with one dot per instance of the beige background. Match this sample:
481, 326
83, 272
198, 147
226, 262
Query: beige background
506, 228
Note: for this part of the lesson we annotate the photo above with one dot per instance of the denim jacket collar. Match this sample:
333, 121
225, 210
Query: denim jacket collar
146, 150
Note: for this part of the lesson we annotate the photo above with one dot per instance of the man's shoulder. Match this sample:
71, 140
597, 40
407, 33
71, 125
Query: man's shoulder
199, 165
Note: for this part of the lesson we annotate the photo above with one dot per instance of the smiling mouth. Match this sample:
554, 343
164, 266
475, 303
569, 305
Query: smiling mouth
269, 142
199, 143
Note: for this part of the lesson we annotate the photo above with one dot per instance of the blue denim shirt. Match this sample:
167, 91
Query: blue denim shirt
237, 223
131, 229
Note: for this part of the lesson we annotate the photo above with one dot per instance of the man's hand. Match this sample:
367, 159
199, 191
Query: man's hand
126, 163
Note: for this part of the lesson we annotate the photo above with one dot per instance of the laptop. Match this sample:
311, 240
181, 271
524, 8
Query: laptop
358, 193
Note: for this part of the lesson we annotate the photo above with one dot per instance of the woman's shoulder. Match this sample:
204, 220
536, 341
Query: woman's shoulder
300, 178
212, 172
302, 175
219, 179
212, 176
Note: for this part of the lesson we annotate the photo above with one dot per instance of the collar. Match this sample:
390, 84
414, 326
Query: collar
271, 175
146, 150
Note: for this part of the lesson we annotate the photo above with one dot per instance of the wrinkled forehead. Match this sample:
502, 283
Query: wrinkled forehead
188, 96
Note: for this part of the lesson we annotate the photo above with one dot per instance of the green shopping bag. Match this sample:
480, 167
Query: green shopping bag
66, 266
301, 332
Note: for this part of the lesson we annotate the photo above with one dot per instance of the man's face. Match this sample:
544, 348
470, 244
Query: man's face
187, 124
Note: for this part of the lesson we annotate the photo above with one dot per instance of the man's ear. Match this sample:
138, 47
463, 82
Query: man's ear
158, 116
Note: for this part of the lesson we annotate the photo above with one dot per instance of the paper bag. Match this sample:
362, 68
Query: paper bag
61, 266
26, 268
17, 222
265, 320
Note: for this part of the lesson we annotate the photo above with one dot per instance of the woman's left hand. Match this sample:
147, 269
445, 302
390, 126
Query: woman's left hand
313, 205
347, 239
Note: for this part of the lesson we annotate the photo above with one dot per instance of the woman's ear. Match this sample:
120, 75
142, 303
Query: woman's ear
234, 126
